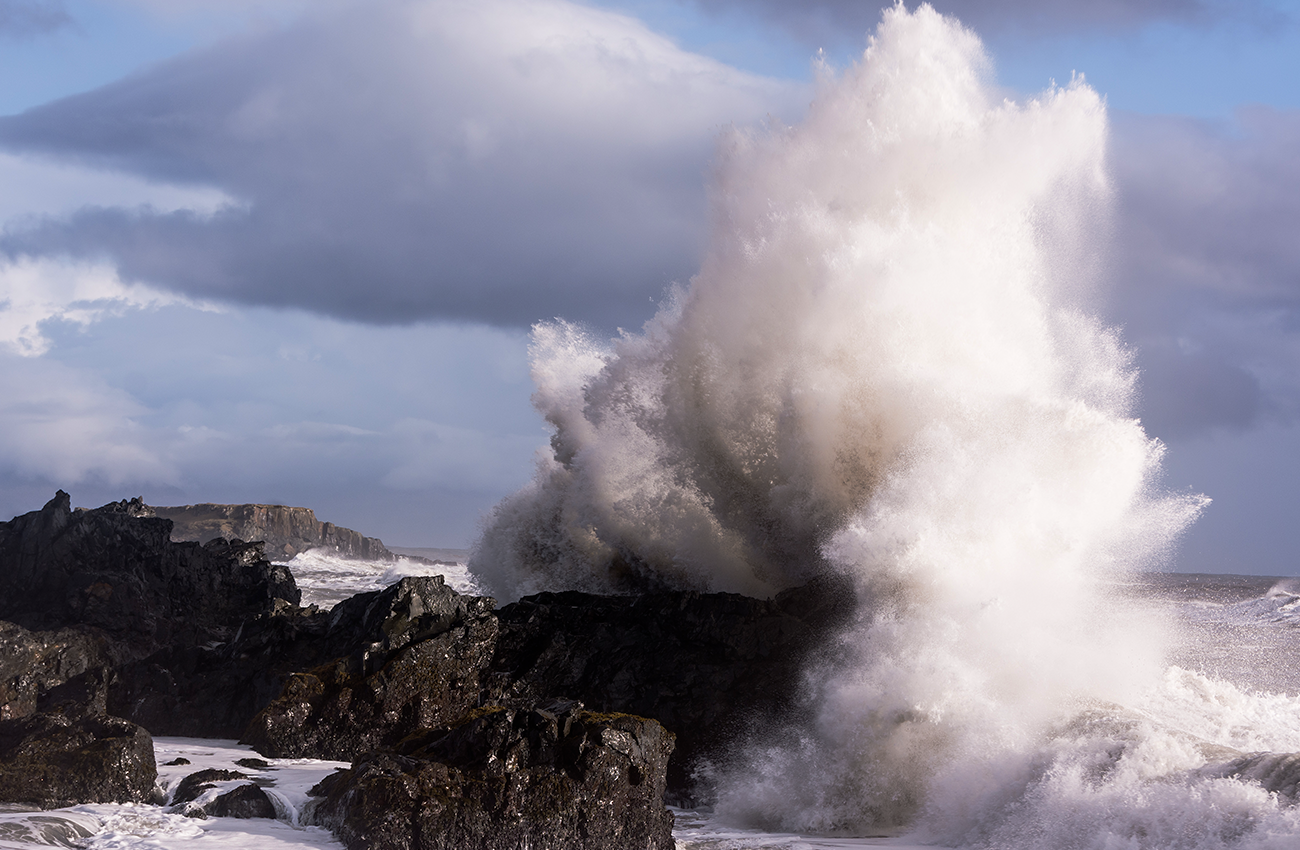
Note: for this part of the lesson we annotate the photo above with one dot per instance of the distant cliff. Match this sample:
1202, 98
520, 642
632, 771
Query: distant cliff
286, 531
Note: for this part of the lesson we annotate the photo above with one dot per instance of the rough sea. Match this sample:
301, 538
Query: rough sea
1146, 774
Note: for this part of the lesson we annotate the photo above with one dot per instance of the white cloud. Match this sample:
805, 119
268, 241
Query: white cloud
66, 425
34, 291
36, 187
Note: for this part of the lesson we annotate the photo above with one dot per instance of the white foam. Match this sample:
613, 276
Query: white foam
694, 830
145, 827
326, 578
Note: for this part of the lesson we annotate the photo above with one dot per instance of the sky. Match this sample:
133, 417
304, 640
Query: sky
290, 251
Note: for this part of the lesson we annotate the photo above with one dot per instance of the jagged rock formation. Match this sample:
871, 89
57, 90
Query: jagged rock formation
217, 690
461, 719
117, 569
553, 777
53, 760
285, 531
34, 664
83, 592
417, 667
708, 666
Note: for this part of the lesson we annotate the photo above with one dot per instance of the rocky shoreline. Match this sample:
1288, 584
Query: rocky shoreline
284, 531
562, 720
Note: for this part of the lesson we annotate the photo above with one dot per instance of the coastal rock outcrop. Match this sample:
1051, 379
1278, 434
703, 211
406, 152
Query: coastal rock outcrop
551, 778
116, 568
286, 531
419, 648
358, 659
51, 760
708, 666
33, 664
110, 616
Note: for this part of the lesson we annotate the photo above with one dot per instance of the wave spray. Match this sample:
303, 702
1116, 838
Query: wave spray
883, 370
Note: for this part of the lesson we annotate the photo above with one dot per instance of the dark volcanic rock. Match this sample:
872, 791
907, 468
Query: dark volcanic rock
246, 801
192, 787
116, 568
286, 531
709, 667
217, 690
706, 666
420, 650
214, 689
32, 664
243, 801
52, 760
207, 641
554, 778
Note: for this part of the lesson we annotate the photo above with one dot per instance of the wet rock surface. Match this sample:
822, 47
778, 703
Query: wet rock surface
243, 801
709, 667
50, 760
35, 663
414, 655
116, 569
464, 722
552, 777
370, 699
320, 683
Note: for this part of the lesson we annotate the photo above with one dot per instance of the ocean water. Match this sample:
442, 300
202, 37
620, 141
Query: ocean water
114, 827
325, 578
1143, 775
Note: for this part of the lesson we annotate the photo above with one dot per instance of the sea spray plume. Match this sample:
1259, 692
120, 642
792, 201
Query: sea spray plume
878, 279
880, 369
1007, 479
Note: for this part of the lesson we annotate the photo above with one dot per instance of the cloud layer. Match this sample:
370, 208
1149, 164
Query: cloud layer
498, 161
819, 19
408, 433
20, 18
1207, 267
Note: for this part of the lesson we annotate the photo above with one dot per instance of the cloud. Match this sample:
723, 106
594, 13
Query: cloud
433, 454
34, 291
37, 187
22, 18
1208, 267
818, 20
409, 431
497, 161
66, 425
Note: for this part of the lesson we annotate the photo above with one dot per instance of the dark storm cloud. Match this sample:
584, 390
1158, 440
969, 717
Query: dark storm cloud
818, 19
1208, 267
19, 18
499, 161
